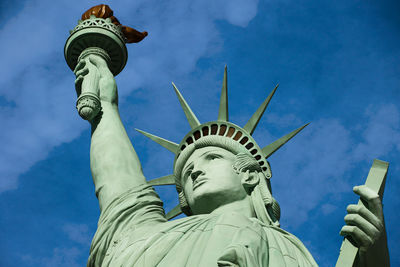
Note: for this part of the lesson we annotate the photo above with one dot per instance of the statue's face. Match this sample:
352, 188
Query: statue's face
209, 180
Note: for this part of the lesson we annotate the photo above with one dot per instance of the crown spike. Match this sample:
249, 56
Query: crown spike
171, 146
193, 121
174, 212
223, 104
165, 180
252, 123
271, 148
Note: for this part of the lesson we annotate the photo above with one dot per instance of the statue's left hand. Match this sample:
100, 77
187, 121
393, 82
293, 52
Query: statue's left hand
365, 225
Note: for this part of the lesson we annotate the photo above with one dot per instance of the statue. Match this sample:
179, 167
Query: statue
222, 177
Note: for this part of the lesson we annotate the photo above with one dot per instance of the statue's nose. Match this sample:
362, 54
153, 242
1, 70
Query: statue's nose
195, 174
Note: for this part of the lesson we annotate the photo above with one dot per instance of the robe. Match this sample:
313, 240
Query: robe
133, 231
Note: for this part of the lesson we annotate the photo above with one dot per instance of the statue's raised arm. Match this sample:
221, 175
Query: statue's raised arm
113, 161
96, 50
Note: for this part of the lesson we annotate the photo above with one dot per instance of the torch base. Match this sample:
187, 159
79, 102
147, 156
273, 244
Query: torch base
88, 106
101, 33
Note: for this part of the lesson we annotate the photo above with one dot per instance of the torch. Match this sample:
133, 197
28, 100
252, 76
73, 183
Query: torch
98, 33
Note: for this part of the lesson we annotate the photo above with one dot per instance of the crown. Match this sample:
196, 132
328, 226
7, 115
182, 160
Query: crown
215, 133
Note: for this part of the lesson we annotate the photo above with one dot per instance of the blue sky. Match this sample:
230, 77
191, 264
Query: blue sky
337, 63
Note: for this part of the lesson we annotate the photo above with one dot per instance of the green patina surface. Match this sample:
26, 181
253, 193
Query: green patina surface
223, 181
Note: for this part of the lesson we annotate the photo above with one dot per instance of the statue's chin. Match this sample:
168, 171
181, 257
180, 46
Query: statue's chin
205, 198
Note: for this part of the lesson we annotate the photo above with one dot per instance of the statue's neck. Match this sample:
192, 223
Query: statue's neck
242, 206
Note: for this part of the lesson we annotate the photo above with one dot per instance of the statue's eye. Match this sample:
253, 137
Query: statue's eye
188, 172
213, 156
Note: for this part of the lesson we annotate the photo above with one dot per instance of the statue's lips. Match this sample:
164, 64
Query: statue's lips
199, 181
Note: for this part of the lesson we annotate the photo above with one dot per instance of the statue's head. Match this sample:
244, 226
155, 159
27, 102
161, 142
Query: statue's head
208, 180
219, 162
216, 170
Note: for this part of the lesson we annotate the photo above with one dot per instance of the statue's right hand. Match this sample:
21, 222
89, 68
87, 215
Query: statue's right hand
107, 85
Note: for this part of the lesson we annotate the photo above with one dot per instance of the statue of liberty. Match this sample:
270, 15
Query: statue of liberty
223, 182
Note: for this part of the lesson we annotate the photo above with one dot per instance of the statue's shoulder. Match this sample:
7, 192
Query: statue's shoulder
288, 243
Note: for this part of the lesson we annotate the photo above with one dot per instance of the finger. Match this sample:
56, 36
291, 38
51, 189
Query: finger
96, 60
80, 65
365, 192
357, 235
78, 85
358, 221
366, 214
82, 72
78, 81
372, 198
79, 78
101, 64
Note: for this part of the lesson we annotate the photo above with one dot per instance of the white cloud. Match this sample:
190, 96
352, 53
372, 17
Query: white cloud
284, 120
382, 134
328, 208
239, 14
61, 257
78, 233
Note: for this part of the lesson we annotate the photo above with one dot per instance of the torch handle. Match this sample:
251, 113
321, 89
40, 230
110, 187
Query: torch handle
90, 82
88, 103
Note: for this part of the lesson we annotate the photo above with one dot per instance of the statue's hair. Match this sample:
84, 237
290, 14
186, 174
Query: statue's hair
269, 211
244, 162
